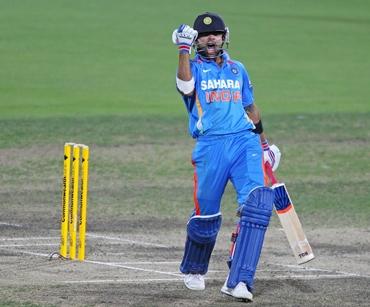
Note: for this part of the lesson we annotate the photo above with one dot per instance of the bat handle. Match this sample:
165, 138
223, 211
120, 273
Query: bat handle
270, 173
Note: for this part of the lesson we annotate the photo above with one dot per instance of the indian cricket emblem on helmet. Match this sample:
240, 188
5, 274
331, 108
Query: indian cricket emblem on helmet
207, 20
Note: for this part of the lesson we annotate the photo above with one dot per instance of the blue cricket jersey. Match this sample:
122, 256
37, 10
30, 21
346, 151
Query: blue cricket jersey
220, 96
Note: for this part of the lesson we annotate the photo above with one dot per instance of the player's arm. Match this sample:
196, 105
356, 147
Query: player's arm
270, 154
184, 71
184, 38
249, 106
255, 115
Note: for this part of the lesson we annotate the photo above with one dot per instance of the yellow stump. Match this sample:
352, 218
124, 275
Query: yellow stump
83, 202
74, 203
65, 199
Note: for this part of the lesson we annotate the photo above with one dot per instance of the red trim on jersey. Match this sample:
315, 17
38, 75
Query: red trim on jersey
196, 203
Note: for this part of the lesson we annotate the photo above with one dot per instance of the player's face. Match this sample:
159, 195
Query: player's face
212, 43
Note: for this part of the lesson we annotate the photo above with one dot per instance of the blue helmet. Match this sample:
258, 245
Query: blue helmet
208, 23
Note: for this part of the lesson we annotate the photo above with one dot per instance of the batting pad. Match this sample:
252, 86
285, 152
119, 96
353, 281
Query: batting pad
254, 218
201, 238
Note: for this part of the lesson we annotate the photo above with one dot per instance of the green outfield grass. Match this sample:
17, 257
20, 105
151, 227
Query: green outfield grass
98, 58
102, 73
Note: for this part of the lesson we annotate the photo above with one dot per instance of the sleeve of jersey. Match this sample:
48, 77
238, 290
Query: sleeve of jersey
247, 90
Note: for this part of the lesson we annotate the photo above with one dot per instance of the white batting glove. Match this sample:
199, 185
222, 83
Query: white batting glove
271, 154
184, 38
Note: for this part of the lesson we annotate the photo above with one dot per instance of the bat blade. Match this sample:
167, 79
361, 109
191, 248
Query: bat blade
292, 225
289, 220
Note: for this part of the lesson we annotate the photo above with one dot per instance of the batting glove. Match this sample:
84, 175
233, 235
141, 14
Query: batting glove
184, 38
271, 154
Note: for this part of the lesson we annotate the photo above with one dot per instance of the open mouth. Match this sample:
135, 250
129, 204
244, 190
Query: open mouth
211, 47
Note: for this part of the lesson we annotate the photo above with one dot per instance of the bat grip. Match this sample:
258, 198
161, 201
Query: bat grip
270, 173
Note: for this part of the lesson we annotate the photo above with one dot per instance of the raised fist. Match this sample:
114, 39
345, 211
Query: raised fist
184, 38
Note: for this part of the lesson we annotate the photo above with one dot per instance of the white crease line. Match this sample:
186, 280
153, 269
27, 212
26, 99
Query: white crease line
28, 245
131, 268
307, 269
299, 268
179, 275
125, 240
29, 238
95, 236
159, 263
29, 253
180, 279
109, 281
305, 277
11, 224
147, 262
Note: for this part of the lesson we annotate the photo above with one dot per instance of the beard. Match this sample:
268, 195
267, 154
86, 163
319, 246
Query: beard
210, 50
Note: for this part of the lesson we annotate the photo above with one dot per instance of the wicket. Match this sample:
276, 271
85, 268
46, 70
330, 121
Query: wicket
74, 170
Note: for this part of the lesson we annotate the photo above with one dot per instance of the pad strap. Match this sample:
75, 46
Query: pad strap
254, 218
202, 233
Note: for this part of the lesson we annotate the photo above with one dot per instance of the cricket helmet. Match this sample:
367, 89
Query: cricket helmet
208, 23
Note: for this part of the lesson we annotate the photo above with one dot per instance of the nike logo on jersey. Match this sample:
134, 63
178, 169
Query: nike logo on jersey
206, 70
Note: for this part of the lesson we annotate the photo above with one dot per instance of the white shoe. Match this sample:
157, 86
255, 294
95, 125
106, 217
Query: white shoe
240, 291
194, 281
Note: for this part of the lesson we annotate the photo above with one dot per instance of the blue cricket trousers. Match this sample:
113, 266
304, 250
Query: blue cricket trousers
216, 159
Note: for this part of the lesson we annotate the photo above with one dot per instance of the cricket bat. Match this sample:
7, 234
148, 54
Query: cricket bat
289, 219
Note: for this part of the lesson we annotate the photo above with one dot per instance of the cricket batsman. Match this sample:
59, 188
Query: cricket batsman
226, 124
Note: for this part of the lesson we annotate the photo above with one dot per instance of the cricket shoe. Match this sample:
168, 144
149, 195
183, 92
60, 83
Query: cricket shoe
194, 281
240, 291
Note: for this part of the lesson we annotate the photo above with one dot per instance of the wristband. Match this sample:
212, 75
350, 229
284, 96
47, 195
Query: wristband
184, 49
258, 127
